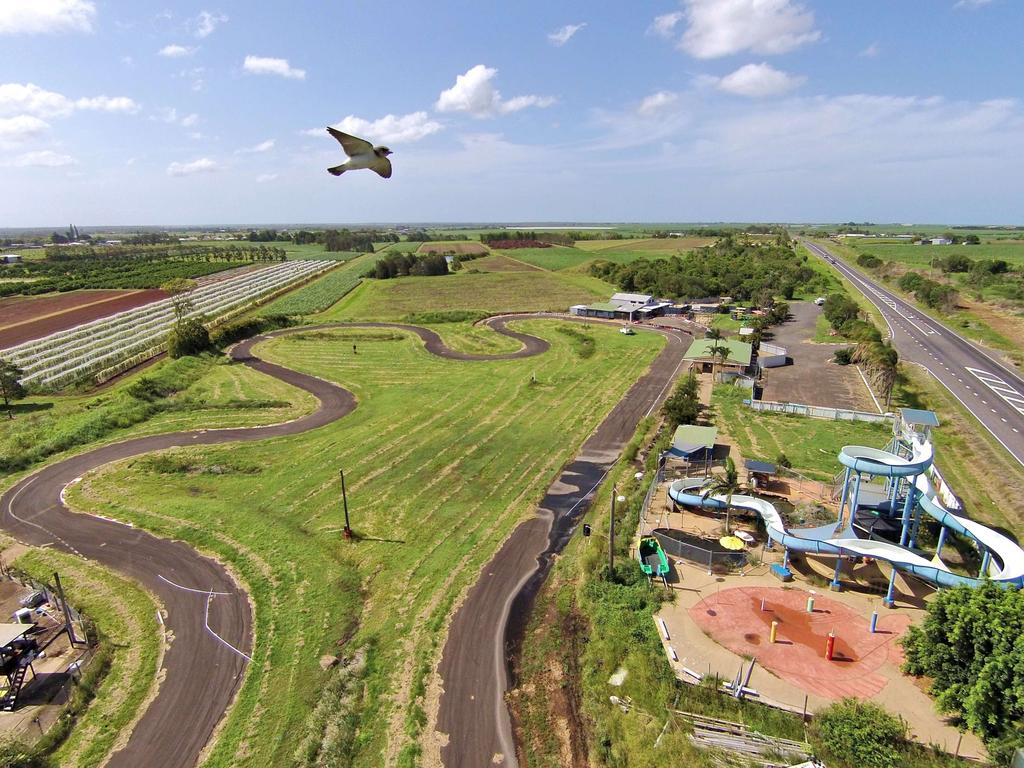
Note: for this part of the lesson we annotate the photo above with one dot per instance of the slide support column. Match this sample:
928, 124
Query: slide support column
890, 595
846, 490
907, 507
836, 584
942, 541
986, 560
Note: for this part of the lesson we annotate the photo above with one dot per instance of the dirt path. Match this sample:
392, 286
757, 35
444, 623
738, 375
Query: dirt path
208, 614
473, 720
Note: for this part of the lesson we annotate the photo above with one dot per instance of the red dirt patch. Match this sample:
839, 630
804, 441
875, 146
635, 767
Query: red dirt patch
25, 319
733, 618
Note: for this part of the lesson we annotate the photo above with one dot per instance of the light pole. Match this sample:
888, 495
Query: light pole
344, 500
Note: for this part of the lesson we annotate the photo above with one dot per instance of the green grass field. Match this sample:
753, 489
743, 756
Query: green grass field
214, 393
918, 256
442, 459
553, 258
812, 445
489, 293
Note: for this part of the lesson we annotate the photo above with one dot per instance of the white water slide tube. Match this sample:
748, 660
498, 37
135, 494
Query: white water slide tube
833, 539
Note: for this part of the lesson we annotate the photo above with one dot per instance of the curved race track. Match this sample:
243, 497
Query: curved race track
205, 662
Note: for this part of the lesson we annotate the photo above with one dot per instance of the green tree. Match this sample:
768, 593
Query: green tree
10, 385
725, 485
857, 734
683, 407
971, 645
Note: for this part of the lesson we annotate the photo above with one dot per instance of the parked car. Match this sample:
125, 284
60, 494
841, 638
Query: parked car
627, 331
820, 301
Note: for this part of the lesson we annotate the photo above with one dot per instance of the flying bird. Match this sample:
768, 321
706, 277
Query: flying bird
361, 154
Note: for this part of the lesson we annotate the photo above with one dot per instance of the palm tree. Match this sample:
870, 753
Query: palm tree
722, 352
725, 485
714, 335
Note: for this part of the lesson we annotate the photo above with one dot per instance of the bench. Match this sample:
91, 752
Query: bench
783, 574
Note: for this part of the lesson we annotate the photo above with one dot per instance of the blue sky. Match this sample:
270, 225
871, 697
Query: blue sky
684, 110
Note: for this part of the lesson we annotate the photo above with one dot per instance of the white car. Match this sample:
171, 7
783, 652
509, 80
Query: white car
627, 331
820, 301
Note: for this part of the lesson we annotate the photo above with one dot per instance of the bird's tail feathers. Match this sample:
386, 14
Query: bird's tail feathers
336, 170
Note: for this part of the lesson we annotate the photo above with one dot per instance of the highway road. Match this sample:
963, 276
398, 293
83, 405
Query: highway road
992, 390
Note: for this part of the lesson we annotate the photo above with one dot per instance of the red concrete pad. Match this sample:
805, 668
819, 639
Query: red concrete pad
733, 618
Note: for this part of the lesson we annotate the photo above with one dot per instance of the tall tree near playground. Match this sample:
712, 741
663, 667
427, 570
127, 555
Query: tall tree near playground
971, 646
10, 385
683, 407
725, 485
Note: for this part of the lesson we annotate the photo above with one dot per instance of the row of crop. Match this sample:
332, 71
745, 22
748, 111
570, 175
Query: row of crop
322, 293
102, 348
152, 339
102, 326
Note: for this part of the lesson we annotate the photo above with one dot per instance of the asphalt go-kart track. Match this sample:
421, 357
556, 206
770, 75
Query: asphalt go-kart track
207, 617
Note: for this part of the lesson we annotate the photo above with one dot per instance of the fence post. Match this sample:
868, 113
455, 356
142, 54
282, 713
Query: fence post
64, 608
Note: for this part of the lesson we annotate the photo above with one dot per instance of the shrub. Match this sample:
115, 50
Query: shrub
839, 310
236, 331
909, 282
857, 734
782, 460
189, 337
869, 260
843, 356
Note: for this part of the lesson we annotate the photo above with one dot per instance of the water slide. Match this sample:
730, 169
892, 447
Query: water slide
837, 539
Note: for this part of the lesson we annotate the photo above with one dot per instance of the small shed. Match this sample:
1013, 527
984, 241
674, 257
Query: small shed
916, 421
759, 473
693, 443
772, 355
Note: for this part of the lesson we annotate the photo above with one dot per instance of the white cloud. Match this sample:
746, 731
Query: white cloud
21, 128
205, 23
474, 93
664, 25
44, 159
656, 102
401, 129
265, 177
871, 51
971, 4
757, 80
263, 146
28, 17
175, 51
718, 28
170, 115
108, 104
202, 165
31, 99
562, 36
262, 65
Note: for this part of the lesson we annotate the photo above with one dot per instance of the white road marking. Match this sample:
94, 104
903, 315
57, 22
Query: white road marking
1002, 389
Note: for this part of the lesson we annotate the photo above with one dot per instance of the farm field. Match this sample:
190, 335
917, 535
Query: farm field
488, 293
453, 247
99, 350
437, 476
662, 246
553, 259
812, 445
44, 315
498, 262
917, 256
322, 292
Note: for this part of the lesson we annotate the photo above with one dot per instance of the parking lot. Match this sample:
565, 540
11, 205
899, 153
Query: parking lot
813, 378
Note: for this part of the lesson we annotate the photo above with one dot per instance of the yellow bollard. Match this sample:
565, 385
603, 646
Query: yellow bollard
773, 632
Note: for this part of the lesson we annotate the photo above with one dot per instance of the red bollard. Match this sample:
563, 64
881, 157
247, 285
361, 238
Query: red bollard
830, 645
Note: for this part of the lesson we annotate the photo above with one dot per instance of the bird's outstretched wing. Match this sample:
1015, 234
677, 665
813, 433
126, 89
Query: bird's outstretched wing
382, 166
353, 146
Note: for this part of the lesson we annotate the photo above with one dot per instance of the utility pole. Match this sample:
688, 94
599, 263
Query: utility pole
344, 500
611, 536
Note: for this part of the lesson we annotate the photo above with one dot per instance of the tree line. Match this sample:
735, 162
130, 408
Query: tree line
879, 358
734, 266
